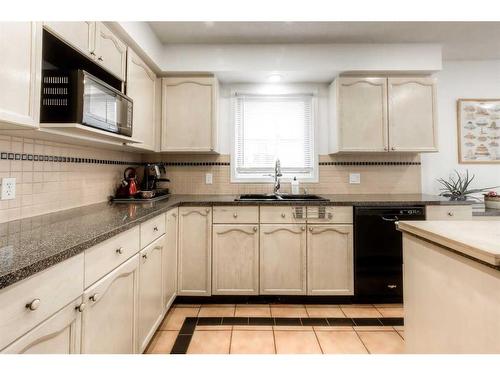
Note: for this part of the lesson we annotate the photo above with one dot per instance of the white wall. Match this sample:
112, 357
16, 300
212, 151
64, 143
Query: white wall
460, 79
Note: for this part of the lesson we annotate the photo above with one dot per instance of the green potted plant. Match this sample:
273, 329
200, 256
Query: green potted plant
457, 188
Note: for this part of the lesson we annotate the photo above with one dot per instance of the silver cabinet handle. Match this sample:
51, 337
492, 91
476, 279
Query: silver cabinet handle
450, 213
283, 215
386, 148
92, 53
80, 307
393, 148
99, 58
144, 256
33, 305
95, 297
155, 228
235, 215
255, 229
174, 215
392, 286
119, 250
303, 229
310, 229
207, 210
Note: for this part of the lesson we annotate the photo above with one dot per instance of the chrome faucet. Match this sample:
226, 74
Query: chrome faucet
277, 175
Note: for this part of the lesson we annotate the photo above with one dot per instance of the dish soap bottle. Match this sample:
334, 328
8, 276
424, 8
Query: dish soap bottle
295, 186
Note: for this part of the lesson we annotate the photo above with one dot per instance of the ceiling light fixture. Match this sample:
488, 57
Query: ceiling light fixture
274, 78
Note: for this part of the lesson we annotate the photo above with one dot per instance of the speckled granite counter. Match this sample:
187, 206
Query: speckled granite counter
491, 212
31, 245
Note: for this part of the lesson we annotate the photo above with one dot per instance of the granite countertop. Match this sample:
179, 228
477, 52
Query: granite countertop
33, 244
488, 212
478, 240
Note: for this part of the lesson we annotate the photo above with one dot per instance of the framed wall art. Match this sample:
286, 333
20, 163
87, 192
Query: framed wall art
478, 130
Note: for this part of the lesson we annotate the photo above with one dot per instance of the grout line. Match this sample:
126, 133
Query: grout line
319, 343
274, 342
362, 342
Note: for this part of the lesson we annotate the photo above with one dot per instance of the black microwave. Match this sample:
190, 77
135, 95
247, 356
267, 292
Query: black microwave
76, 96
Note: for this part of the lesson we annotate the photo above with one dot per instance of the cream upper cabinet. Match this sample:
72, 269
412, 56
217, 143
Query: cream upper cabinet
109, 321
330, 260
170, 258
383, 114
362, 114
110, 51
283, 259
412, 114
60, 334
141, 87
20, 71
79, 35
195, 251
150, 291
189, 118
235, 259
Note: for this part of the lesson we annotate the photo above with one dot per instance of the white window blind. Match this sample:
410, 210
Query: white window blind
270, 127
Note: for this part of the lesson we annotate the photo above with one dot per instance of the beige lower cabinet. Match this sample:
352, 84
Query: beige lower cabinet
283, 259
195, 251
170, 258
109, 321
448, 212
330, 260
60, 334
150, 291
235, 259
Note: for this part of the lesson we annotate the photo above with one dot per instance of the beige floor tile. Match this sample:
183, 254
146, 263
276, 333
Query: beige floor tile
402, 334
214, 328
252, 305
210, 342
162, 342
260, 311
361, 312
188, 305
333, 328
374, 328
252, 342
324, 312
296, 342
377, 305
252, 328
206, 311
399, 328
293, 328
289, 312
340, 342
357, 305
175, 318
382, 342
219, 305
391, 312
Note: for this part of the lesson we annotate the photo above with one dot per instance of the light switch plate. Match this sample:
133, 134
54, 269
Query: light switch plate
8, 188
354, 178
208, 178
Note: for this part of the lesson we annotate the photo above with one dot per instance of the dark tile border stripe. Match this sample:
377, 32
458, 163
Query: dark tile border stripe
369, 163
188, 327
62, 159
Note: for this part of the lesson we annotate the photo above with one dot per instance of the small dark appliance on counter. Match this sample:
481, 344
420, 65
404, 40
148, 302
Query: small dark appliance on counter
149, 190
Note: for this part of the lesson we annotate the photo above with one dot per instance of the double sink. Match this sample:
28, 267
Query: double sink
281, 197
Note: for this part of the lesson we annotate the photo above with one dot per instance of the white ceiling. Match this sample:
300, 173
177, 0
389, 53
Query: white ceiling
460, 40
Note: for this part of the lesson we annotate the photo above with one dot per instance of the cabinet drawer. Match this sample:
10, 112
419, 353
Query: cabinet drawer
47, 292
152, 229
106, 256
235, 214
448, 212
283, 214
329, 214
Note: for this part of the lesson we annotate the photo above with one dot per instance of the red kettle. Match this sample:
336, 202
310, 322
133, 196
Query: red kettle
128, 187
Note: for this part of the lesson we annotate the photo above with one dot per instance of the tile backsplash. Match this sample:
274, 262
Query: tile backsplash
55, 176
398, 174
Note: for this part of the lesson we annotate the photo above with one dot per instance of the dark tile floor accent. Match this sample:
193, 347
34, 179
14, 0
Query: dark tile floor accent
188, 327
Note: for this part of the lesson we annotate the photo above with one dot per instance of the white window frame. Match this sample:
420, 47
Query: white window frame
238, 178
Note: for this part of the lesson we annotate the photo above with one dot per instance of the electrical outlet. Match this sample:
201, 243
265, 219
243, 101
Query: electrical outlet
354, 178
8, 188
208, 178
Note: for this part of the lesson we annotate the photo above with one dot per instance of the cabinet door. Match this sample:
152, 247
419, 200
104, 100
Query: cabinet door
170, 259
330, 260
195, 249
150, 293
80, 35
189, 114
109, 322
110, 51
141, 87
283, 259
20, 70
362, 114
412, 114
60, 334
235, 259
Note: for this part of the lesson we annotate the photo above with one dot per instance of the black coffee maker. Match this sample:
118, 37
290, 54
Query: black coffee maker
151, 177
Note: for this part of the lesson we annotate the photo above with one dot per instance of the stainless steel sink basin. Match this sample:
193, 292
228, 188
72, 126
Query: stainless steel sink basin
280, 197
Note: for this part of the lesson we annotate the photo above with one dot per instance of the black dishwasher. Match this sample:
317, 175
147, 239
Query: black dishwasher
378, 253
